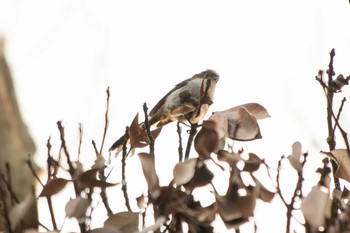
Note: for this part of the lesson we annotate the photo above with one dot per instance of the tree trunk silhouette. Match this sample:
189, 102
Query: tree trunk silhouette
15, 145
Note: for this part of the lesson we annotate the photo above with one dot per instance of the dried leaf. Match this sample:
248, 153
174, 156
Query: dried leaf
184, 172
53, 187
155, 133
263, 193
77, 208
141, 202
203, 214
231, 158
315, 206
238, 123
253, 163
295, 158
18, 212
202, 177
236, 207
239, 202
149, 171
88, 179
343, 159
123, 221
206, 141
136, 134
244, 127
170, 199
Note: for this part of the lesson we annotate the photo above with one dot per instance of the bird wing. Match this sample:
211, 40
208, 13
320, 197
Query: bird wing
162, 101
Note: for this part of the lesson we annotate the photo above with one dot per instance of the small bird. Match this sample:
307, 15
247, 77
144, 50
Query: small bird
187, 101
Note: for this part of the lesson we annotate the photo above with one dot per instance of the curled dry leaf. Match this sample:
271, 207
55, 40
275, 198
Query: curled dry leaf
53, 187
137, 135
252, 163
20, 210
76, 208
207, 140
88, 179
316, 206
237, 123
184, 172
342, 158
123, 221
295, 158
149, 171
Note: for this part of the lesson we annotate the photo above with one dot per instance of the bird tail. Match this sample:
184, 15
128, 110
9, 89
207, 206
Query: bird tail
117, 143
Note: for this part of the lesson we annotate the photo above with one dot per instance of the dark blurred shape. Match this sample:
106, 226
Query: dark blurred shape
15, 146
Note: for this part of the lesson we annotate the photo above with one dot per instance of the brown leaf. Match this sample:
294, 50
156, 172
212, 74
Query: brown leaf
236, 207
342, 158
231, 158
88, 179
295, 158
77, 208
315, 206
263, 193
203, 214
123, 221
253, 163
170, 200
136, 134
184, 172
53, 187
202, 177
244, 127
239, 202
141, 202
238, 123
149, 171
207, 140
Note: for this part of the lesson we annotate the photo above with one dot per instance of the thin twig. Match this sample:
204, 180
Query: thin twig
31, 168
9, 188
48, 198
80, 139
106, 121
5, 213
95, 148
180, 149
342, 131
124, 184
64, 147
193, 132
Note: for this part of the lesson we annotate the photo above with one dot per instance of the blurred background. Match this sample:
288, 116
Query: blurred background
64, 54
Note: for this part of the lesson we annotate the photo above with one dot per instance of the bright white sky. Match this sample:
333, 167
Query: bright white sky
64, 54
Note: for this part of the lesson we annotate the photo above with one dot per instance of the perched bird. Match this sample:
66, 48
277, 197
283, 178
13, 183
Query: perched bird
187, 101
